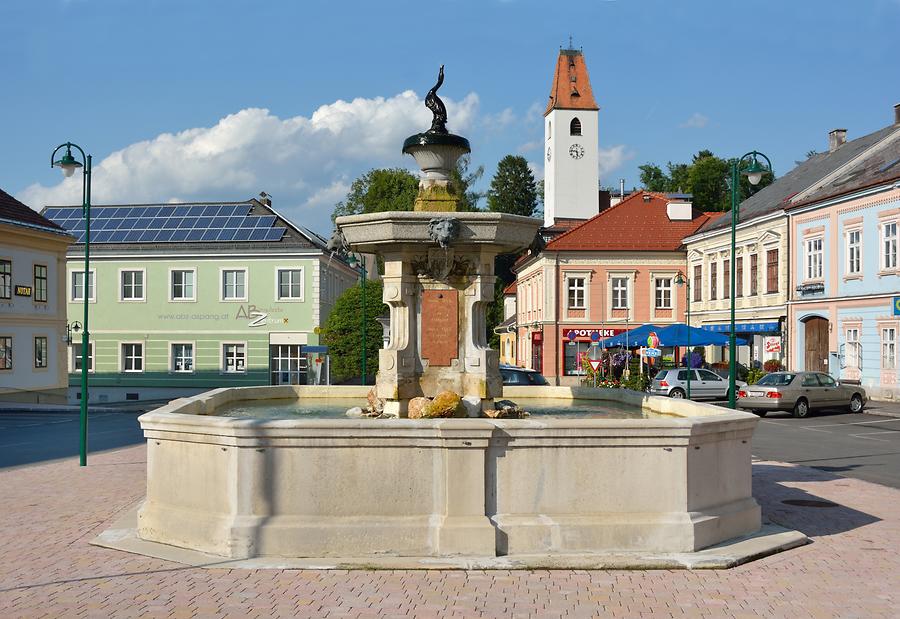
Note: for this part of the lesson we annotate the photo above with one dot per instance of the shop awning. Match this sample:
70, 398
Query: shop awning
680, 334
744, 327
631, 338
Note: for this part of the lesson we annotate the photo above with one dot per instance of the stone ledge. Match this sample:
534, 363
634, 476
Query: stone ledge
771, 539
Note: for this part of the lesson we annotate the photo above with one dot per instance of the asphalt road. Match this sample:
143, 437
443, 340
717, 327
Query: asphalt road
860, 446
28, 438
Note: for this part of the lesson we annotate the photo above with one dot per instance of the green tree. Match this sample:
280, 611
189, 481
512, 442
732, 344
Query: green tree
708, 175
513, 189
463, 180
343, 331
653, 178
679, 177
379, 190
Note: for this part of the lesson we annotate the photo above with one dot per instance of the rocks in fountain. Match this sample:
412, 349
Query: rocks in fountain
376, 404
472, 404
506, 409
416, 408
445, 404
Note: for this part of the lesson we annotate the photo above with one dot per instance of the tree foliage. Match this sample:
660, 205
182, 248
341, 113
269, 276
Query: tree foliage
705, 177
343, 331
379, 190
463, 180
513, 189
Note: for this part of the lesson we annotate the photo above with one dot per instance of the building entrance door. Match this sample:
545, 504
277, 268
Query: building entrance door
288, 364
816, 335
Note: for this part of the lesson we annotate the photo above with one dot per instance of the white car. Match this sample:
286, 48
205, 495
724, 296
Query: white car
704, 384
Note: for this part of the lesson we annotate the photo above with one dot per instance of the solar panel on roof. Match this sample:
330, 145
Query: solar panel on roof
180, 211
234, 222
178, 235
209, 211
144, 223
152, 211
226, 234
117, 236
242, 234
147, 236
274, 234
100, 237
121, 212
127, 224
132, 235
165, 235
887, 166
257, 234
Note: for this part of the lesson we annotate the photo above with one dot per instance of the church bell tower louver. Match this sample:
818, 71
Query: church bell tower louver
571, 160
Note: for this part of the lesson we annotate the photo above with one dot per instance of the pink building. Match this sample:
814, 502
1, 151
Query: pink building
615, 271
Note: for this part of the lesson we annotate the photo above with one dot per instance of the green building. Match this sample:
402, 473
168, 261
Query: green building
189, 297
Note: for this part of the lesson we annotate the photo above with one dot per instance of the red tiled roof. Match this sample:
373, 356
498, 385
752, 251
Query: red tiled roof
631, 225
571, 87
511, 289
16, 212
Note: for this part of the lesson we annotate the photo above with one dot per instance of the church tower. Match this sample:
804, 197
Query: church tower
571, 172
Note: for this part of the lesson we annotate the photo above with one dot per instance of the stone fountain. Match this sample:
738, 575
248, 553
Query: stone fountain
438, 278
551, 491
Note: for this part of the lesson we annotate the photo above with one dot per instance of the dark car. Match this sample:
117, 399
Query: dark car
513, 375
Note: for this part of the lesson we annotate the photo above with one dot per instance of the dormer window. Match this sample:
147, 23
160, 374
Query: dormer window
575, 127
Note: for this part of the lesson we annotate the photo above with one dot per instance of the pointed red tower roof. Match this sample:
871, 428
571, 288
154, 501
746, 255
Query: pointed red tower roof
571, 87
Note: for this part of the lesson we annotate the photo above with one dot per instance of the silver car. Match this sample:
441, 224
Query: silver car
704, 384
800, 393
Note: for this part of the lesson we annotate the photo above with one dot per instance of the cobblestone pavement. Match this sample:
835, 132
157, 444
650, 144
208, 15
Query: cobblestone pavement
48, 569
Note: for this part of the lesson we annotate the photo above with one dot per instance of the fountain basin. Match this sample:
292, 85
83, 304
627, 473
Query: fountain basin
677, 481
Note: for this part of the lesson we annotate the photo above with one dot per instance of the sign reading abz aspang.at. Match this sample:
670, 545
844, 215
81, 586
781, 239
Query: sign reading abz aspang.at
896, 305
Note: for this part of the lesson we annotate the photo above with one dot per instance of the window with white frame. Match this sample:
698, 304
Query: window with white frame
620, 293
40, 283
234, 358
663, 293
77, 286
889, 246
854, 252
75, 359
234, 284
851, 355
888, 348
132, 285
290, 284
814, 265
183, 357
5, 352
576, 292
5, 279
40, 351
183, 285
132, 357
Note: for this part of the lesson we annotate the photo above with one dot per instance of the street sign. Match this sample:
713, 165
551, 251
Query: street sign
896, 301
652, 352
595, 364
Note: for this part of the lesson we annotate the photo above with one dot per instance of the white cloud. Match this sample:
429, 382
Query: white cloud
612, 158
696, 121
305, 162
527, 147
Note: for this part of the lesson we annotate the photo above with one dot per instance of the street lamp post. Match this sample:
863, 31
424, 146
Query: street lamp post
69, 164
362, 272
749, 166
682, 280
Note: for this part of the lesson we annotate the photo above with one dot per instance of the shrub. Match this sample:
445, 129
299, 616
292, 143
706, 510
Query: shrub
773, 365
754, 375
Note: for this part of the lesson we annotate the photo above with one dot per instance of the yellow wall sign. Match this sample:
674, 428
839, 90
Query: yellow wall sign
23, 291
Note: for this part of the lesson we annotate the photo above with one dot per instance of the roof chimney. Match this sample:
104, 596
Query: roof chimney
897, 113
836, 138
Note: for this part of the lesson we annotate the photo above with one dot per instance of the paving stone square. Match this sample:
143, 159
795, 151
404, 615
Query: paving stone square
51, 511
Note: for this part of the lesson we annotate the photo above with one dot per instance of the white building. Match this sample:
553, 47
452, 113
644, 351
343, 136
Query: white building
32, 305
571, 150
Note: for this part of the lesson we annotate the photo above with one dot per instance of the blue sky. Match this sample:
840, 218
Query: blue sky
182, 100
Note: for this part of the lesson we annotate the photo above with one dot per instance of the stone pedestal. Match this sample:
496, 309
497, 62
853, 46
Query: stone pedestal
438, 280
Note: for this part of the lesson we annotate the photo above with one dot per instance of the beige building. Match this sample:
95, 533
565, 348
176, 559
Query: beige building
761, 284
32, 305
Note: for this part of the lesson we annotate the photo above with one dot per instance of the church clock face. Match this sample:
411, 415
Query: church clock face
576, 151
548, 153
